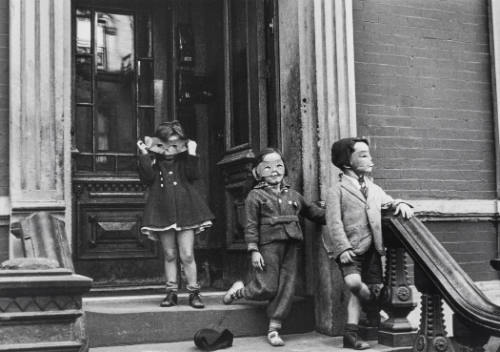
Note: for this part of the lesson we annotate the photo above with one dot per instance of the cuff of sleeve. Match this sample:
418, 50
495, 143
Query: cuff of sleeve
399, 201
252, 247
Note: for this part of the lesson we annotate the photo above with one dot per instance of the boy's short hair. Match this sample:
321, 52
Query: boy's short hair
343, 149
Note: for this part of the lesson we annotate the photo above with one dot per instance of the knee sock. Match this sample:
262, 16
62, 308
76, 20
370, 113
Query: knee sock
171, 286
274, 325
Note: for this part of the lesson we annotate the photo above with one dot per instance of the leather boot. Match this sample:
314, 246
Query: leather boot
170, 300
352, 339
195, 300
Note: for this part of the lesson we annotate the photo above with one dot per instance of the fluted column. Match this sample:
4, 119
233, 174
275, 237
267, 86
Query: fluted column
328, 112
40, 110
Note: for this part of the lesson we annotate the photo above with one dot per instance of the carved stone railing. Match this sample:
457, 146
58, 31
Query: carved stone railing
437, 276
40, 295
41, 310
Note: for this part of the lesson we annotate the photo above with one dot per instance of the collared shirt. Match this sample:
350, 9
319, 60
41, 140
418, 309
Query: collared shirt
273, 216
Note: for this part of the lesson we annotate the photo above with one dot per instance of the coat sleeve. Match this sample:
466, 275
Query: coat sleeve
192, 167
335, 239
312, 211
252, 210
387, 202
145, 168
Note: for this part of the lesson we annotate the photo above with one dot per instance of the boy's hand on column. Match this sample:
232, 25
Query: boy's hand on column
404, 209
347, 256
257, 260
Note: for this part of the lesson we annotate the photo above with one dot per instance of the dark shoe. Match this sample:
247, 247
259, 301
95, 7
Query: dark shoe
371, 320
195, 300
352, 339
170, 300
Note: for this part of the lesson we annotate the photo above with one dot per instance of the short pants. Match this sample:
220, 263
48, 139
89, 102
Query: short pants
368, 265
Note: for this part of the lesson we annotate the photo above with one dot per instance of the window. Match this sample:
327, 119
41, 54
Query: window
114, 98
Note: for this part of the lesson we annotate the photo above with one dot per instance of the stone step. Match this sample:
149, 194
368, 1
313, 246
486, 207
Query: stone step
56, 346
128, 320
307, 342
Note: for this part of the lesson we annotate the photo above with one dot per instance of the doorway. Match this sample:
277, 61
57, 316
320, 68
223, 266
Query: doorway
207, 63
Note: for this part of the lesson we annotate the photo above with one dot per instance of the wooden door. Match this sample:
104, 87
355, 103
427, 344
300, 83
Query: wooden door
251, 114
119, 58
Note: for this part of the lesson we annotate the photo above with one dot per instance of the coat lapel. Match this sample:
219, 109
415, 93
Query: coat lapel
352, 189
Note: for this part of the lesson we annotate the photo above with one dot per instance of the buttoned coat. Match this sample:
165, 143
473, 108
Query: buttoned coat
353, 221
172, 197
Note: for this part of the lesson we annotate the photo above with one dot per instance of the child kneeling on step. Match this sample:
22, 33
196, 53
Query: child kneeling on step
274, 238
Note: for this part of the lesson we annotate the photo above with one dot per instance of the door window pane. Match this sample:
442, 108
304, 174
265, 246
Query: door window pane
83, 162
144, 36
83, 31
239, 77
105, 163
83, 129
146, 83
127, 163
107, 119
83, 71
146, 122
114, 39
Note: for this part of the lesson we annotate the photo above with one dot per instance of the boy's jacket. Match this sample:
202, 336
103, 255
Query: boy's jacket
353, 221
275, 217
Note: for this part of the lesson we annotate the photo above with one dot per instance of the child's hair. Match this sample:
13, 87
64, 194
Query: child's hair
266, 151
343, 149
167, 129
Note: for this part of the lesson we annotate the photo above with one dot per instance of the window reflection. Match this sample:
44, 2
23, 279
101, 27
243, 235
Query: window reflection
115, 109
106, 97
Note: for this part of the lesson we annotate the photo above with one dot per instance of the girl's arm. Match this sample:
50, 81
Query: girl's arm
145, 168
252, 222
192, 162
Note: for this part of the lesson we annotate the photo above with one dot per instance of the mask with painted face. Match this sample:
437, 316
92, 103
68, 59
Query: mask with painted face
271, 169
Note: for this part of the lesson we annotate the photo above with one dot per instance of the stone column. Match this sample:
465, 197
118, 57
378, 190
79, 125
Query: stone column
328, 113
40, 110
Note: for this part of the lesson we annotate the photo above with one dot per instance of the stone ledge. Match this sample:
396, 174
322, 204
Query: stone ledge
64, 346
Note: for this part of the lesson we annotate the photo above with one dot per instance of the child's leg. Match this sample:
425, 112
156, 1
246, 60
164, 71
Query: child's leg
264, 285
185, 240
281, 303
359, 292
169, 246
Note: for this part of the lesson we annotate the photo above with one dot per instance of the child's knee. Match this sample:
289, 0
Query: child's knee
170, 254
187, 257
353, 282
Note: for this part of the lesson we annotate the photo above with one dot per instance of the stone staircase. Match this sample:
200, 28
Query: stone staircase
138, 319
136, 323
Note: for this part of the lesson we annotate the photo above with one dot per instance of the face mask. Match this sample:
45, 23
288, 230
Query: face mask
270, 168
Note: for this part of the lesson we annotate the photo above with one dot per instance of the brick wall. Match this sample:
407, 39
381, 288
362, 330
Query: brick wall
471, 244
423, 93
4, 97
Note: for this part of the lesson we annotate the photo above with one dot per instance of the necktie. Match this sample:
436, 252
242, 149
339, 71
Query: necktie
363, 188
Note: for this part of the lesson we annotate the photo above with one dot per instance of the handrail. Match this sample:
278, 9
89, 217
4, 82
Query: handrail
452, 282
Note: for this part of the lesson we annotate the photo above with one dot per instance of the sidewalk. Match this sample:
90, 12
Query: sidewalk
310, 342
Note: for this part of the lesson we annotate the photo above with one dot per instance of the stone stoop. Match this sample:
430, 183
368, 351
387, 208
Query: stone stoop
129, 320
307, 342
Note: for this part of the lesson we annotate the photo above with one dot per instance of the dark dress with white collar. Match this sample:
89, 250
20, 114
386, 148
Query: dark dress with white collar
172, 202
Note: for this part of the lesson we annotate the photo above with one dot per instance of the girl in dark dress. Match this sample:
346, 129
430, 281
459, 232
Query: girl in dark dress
174, 210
